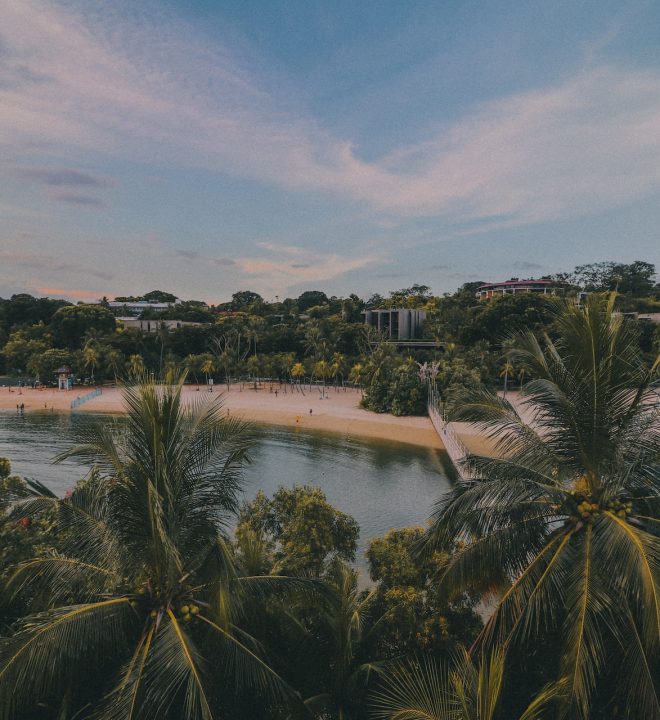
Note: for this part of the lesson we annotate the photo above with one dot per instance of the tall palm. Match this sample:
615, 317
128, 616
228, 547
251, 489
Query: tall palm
207, 365
91, 356
421, 690
356, 375
114, 360
298, 373
346, 626
506, 370
338, 367
135, 365
568, 513
145, 599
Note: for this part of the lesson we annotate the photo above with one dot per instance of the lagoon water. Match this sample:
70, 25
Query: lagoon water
382, 485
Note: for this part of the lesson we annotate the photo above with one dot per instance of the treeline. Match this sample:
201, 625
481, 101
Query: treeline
309, 340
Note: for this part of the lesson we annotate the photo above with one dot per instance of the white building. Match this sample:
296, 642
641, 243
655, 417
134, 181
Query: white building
396, 323
137, 307
154, 325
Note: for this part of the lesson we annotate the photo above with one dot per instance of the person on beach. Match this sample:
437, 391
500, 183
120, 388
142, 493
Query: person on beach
310, 411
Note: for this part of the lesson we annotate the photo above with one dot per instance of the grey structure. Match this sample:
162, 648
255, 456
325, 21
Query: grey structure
396, 324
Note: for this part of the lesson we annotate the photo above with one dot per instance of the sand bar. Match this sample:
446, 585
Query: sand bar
337, 412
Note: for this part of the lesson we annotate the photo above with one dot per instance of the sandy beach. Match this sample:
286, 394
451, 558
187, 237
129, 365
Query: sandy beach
337, 412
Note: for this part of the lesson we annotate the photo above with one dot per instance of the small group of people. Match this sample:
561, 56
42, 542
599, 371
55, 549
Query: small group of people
20, 408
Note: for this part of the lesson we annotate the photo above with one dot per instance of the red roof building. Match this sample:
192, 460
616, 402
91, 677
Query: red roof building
544, 286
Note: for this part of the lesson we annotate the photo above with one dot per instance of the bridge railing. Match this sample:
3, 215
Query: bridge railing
85, 398
455, 448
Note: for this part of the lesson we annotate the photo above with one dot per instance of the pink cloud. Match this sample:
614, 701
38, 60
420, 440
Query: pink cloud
70, 293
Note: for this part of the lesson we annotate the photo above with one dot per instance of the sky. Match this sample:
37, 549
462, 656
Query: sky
205, 147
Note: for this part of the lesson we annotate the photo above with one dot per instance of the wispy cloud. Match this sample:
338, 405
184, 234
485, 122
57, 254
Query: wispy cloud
526, 265
74, 199
131, 85
285, 266
62, 177
66, 185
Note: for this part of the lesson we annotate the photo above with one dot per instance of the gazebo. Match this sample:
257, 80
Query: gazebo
64, 377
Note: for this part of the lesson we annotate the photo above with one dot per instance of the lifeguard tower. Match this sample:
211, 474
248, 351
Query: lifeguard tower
64, 378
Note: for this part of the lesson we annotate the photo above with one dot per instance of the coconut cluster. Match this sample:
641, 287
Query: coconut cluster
183, 606
583, 508
620, 507
188, 612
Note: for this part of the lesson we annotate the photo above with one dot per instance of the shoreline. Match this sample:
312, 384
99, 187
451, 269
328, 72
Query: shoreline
338, 412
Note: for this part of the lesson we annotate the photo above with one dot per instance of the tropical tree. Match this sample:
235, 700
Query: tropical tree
566, 517
338, 367
506, 370
90, 357
303, 532
356, 375
207, 365
226, 362
193, 365
144, 602
418, 689
343, 629
298, 373
135, 366
322, 370
114, 359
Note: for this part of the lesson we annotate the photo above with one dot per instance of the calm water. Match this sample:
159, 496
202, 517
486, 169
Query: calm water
382, 485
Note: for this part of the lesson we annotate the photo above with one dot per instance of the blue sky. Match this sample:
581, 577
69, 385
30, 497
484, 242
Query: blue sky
208, 147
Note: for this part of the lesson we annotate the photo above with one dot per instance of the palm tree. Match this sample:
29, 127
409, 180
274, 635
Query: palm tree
192, 364
322, 370
114, 359
298, 372
163, 334
567, 513
506, 369
356, 375
346, 627
253, 366
91, 356
207, 365
135, 366
420, 690
338, 367
226, 362
145, 599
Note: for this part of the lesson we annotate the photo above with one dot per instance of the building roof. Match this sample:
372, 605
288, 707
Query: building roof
515, 282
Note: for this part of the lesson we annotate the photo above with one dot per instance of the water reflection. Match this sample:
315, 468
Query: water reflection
381, 484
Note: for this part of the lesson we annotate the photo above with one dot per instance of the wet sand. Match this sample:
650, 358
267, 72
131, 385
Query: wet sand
337, 412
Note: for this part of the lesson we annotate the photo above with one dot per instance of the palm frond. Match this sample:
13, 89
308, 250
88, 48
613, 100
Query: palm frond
414, 690
77, 632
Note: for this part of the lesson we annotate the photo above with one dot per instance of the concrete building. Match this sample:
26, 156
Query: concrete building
396, 324
644, 317
543, 286
139, 306
154, 325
